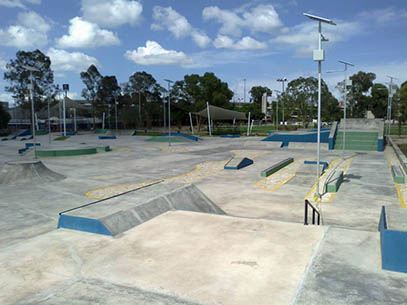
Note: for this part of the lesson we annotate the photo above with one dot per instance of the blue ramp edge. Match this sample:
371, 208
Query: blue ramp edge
180, 134
83, 224
325, 164
380, 145
243, 163
300, 138
393, 245
107, 137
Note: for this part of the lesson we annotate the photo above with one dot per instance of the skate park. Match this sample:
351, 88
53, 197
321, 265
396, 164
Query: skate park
145, 222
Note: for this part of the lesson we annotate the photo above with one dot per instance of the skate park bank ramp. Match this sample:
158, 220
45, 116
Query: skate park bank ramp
33, 172
309, 136
112, 217
360, 135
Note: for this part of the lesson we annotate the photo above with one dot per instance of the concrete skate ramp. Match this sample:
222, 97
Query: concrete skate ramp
238, 163
21, 172
116, 217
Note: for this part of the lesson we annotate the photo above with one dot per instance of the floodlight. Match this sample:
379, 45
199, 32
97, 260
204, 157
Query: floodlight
320, 19
323, 38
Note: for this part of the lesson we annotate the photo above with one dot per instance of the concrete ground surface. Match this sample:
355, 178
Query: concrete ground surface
259, 253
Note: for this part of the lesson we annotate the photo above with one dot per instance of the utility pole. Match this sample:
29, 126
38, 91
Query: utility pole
65, 87
244, 90
169, 110
389, 102
282, 80
319, 56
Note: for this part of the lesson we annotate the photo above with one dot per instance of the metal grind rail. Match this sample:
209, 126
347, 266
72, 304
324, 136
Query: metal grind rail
105, 199
314, 212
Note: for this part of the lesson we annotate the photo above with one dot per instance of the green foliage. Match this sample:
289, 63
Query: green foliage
4, 117
92, 79
254, 109
257, 93
378, 100
301, 100
358, 99
20, 78
63, 138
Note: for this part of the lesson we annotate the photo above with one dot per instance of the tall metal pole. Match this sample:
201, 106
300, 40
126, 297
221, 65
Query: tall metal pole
64, 111
169, 111
282, 80
74, 119
192, 125
115, 110
319, 107
389, 104
165, 123
209, 119
49, 125
345, 91
33, 116
244, 91
139, 108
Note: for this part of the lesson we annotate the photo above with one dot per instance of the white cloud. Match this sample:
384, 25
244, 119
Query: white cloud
154, 54
29, 32
65, 61
112, 13
2, 64
178, 25
17, 3
6, 97
84, 34
304, 37
384, 15
262, 18
246, 43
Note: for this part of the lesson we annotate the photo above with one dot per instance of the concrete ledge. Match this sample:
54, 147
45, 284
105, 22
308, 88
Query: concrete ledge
324, 164
276, 167
66, 152
393, 244
402, 158
334, 182
236, 164
398, 175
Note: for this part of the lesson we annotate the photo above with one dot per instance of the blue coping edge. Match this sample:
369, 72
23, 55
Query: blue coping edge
134, 133
325, 164
28, 145
180, 134
380, 146
83, 224
4, 139
24, 133
230, 136
331, 142
302, 138
22, 150
23, 139
284, 144
245, 162
71, 133
393, 245
107, 137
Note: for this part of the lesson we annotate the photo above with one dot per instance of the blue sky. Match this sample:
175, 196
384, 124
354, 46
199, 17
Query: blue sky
259, 41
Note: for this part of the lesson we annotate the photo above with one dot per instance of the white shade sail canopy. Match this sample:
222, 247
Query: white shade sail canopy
218, 113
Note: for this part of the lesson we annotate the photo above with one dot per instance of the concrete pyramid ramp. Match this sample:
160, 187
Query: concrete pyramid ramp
21, 172
124, 216
238, 163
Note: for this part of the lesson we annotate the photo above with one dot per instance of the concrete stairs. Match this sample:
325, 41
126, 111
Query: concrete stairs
357, 140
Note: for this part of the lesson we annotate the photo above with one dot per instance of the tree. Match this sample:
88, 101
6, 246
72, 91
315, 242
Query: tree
144, 90
5, 117
358, 99
20, 78
402, 105
257, 93
92, 80
301, 100
378, 100
108, 94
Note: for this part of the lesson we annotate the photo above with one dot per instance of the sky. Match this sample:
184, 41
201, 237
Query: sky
256, 41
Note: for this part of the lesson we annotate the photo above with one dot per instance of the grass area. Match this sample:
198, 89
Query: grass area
148, 133
61, 138
394, 130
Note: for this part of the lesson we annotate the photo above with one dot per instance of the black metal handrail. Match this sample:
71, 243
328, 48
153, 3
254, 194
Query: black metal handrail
314, 211
114, 196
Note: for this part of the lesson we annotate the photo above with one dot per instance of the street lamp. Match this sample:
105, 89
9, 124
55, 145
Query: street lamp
244, 90
319, 56
169, 110
346, 83
277, 123
31, 87
65, 87
389, 102
282, 80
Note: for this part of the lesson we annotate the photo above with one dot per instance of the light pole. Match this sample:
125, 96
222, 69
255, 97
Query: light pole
49, 124
282, 80
65, 87
169, 110
277, 123
115, 113
345, 93
31, 87
319, 56
244, 90
389, 102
